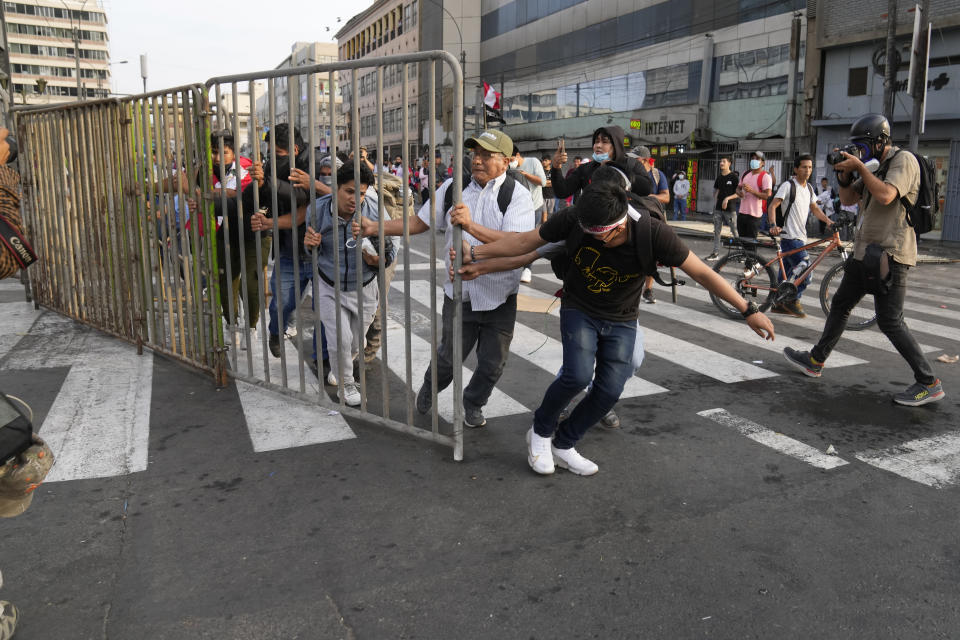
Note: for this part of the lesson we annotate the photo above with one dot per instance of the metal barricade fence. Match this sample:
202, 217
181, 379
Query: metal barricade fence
106, 190
124, 202
263, 354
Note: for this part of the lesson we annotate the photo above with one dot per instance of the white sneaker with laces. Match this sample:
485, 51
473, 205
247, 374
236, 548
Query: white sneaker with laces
351, 394
573, 462
538, 453
331, 379
526, 275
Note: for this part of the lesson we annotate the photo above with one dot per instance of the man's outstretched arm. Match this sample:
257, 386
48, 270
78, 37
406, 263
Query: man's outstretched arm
711, 280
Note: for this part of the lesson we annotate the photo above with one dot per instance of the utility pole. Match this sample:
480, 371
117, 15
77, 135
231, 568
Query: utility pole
891, 63
792, 89
920, 58
76, 55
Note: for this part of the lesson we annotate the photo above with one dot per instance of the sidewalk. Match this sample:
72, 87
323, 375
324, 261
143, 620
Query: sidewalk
932, 249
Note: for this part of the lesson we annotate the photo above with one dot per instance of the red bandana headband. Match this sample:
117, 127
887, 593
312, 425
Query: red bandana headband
603, 228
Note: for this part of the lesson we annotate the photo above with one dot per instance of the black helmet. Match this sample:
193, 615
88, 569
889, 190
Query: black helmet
872, 126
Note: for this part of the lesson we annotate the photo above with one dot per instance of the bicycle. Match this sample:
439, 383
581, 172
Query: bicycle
753, 277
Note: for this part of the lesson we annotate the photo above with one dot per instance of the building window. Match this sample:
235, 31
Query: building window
857, 82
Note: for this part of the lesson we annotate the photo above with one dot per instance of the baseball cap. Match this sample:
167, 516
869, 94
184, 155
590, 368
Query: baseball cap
640, 151
758, 154
491, 140
20, 476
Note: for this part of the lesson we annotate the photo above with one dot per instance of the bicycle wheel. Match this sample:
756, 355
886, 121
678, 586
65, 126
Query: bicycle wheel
862, 316
758, 287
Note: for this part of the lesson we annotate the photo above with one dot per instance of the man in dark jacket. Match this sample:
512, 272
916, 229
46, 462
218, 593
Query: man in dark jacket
291, 203
607, 149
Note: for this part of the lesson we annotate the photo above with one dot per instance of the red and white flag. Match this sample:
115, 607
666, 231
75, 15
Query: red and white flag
490, 97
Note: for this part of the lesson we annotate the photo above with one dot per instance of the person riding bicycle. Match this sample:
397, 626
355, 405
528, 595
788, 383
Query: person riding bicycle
797, 199
884, 238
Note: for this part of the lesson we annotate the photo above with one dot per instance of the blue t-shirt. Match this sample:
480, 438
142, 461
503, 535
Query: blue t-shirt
662, 184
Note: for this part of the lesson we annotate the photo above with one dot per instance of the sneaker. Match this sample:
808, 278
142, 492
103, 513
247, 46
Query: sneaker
369, 355
332, 379
794, 308
351, 394
539, 456
526, 275
648, 296
918, 394
713, 256
424, 401
573, 462
611, 420
274, 344
8, 619
473, 418
242, 339
804, 362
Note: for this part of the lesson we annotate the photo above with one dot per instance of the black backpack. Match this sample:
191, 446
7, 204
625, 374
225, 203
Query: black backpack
787, 204
920, 213
504, 196
641, 235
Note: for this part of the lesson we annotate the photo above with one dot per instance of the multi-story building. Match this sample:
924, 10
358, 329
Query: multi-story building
850, 42
393, 27
299, 87
690, 80
42, 37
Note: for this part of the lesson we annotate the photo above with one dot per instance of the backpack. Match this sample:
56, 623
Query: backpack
504, 196
641, 236
920, 213
787, 204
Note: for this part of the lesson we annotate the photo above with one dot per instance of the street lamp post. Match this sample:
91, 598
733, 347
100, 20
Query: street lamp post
100, 79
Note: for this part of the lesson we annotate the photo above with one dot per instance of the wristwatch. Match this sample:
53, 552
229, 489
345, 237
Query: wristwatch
752, 308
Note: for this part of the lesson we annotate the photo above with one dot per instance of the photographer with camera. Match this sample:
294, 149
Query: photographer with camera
877, 175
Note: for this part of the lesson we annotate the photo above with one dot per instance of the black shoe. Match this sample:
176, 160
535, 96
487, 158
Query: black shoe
312, 365
648, 296
424, 401
473, 418
326, 368
611, 420
274, 343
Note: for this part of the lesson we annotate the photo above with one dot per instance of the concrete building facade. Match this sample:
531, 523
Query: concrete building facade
690, 79
304, 54
41, 49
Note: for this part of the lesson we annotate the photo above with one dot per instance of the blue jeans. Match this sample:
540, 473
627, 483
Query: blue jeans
789, 262
291, 293
595, 349
680, 207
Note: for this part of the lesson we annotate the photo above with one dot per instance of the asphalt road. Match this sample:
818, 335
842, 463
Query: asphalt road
701, 523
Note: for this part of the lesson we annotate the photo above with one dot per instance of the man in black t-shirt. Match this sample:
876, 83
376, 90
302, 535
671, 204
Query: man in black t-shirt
598, 313
725, 193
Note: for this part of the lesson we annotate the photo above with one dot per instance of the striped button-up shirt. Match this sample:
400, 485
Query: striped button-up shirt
490, 290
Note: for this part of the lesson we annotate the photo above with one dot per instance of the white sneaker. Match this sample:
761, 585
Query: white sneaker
254, 339
331, 379
573, 462
351, 394
538, 453
526, 275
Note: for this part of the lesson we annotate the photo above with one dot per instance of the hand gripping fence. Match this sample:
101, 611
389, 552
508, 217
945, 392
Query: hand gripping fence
134, 239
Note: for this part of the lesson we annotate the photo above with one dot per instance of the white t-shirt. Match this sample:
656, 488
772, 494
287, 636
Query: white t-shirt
534, 167
795, 220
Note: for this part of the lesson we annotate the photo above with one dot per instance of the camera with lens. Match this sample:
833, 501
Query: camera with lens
853, 149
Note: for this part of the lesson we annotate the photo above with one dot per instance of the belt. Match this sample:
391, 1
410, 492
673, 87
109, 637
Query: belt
332, 284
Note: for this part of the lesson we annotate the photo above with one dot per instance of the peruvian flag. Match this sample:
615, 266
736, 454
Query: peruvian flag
490, 97
491, 104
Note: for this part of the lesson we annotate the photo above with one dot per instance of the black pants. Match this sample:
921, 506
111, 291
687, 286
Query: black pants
491, 332
889, 308
747, 228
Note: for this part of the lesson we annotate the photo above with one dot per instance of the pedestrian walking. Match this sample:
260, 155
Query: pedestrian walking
725, 210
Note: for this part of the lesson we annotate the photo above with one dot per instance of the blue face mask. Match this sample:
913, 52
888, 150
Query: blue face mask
601, 157
754, 164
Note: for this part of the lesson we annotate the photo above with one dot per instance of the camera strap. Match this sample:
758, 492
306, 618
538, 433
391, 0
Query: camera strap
12, 238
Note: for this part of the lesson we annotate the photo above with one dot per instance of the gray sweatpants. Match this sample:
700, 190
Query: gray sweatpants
326, 308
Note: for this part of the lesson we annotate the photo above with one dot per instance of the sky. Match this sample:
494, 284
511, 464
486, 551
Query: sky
191, 41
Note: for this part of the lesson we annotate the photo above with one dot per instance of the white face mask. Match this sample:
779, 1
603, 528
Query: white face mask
514, 164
